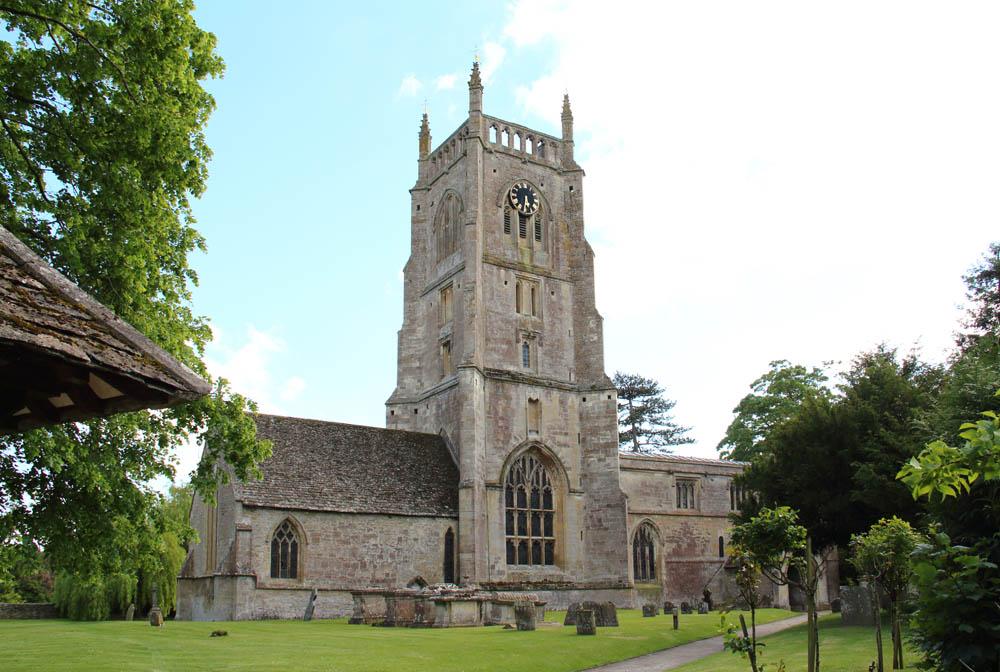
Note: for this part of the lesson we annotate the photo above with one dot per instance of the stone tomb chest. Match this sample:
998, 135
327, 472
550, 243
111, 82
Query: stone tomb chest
439, 606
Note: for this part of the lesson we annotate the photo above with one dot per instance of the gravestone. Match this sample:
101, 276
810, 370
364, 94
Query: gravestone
585, 624
703, 608
668, 607
605, 613
685, 608
155, 615
130, 613
856, 606
311, 607
649, 610
835, 605
524, 615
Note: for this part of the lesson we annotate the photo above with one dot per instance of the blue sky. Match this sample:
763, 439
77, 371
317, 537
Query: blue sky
765, 180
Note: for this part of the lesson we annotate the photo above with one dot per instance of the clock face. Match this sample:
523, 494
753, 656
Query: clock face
524, 199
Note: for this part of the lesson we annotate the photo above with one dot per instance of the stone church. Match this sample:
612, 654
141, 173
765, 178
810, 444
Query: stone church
499, 465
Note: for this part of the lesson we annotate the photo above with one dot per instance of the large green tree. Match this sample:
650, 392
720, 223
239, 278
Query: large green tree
835, 459
102, 148
776, 397
644, 419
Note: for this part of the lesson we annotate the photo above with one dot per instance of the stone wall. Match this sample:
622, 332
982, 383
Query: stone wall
688, 558
339, 552
28, 610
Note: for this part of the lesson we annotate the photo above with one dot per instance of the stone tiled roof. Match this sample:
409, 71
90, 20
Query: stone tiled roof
64, 356
330, 466
682, 459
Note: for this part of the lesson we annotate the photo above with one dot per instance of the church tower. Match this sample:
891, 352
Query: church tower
501, 352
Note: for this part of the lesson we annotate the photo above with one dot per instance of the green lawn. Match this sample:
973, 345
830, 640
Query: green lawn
334, 645
841, 649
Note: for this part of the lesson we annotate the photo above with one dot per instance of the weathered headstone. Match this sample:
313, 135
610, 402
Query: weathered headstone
524, 615
835, 605
856, 606
130, 613
668, 607
585, 624
685, 608
311, 607
605, 613
649, 610
703, 608
677, 618
155, 615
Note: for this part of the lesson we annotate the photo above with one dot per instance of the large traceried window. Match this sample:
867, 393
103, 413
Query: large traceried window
644, 553
285, 552
530, 513
447, 226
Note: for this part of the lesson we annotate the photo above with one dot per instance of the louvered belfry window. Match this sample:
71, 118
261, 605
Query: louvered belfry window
530, 513
284, 552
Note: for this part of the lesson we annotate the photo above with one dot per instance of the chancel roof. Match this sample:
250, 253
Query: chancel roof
331, 466
64, 356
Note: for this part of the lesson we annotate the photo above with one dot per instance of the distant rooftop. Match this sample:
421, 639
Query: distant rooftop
682, 459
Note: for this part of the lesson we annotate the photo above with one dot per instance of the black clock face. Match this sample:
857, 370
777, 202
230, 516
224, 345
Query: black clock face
524, 199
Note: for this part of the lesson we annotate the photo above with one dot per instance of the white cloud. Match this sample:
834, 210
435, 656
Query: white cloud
445, 82
492, 58
410, 86
249, 364
772, 180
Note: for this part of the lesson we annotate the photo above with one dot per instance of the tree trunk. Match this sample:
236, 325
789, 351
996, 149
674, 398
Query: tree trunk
897, 643
877, 614
811, 618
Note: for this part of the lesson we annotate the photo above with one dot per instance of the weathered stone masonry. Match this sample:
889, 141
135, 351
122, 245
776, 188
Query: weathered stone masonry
500, 467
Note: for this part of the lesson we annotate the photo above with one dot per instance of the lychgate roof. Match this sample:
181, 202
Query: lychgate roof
330, 466
64, 356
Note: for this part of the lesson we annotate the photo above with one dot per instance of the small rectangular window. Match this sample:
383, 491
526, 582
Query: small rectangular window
506, 220
526, 355
534, 300
446, 365
686, 494
447, 312
538, 229
534, 416
522, 226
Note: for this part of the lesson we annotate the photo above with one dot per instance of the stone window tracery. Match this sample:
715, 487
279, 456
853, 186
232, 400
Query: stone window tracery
686, 492
285, 552
530, 513
644, 553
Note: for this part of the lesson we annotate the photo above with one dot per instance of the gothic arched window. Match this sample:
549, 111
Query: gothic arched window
285, 552
644, 553
447, 226
530, 513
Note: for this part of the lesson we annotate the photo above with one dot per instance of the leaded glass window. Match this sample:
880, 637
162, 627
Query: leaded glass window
644, 554
530, 514
284, 552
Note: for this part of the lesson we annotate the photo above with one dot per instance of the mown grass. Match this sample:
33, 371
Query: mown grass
841, 649
335, 645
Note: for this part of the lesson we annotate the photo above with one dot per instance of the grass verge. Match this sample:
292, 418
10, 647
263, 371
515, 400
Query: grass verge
841, 649
335, 646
